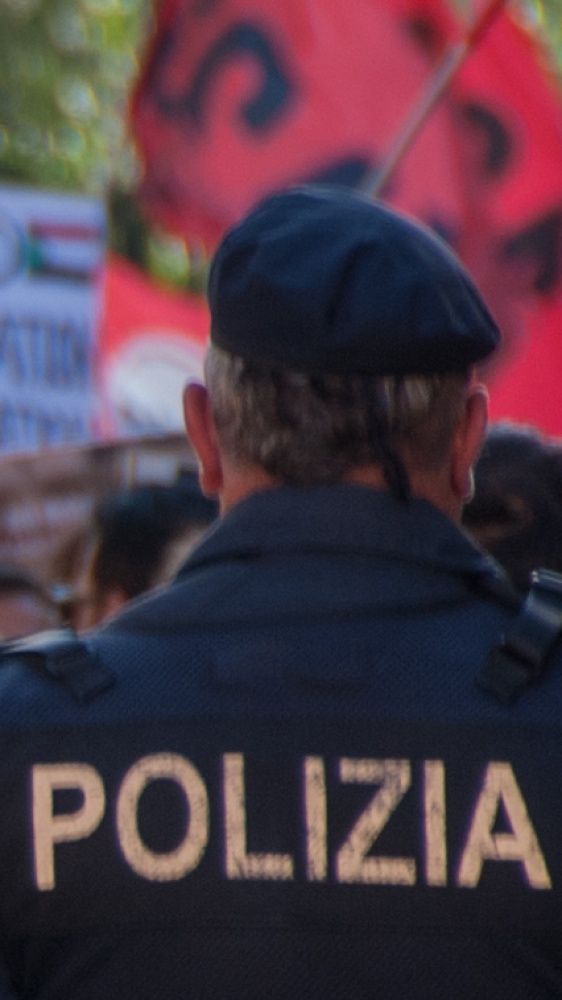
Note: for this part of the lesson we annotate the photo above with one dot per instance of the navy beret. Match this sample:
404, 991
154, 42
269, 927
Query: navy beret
326, 281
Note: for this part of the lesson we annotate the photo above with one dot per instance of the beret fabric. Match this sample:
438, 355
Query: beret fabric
326, 281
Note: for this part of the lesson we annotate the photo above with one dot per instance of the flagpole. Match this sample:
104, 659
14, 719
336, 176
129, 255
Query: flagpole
452, 61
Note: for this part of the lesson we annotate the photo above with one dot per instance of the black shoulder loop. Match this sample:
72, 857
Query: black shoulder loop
520, 658
65, 657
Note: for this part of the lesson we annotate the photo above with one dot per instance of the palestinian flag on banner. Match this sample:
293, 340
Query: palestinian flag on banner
64, 250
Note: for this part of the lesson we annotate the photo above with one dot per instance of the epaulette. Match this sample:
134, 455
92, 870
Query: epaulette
520, 658
64, 657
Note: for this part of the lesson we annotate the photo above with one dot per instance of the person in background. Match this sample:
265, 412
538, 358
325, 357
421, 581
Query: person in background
140, 538
294, 774
516, 511
26, 606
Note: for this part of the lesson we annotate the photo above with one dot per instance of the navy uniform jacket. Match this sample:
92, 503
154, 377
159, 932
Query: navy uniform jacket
294, 788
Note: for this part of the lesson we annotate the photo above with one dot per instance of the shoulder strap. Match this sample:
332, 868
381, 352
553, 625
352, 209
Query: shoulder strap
65, 657
520, 658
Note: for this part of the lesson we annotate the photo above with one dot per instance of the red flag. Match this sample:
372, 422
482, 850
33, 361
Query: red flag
240, 97
509, 110
152, 342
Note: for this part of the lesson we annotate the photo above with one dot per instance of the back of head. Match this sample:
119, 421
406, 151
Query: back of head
342, 333
135, 526
516, 511
139, 538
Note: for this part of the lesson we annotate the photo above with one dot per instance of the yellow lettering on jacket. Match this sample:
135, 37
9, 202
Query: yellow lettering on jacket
238, 863
521, 844
173, 865
50, 828
435, 822
352, 863
316, 819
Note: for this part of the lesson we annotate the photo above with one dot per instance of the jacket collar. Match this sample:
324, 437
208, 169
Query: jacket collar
341, 518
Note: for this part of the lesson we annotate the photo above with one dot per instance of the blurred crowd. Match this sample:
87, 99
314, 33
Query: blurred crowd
516, 511
139, 537
136, 541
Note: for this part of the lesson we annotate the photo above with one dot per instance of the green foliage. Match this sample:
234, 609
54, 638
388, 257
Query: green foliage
547, 16
66, 67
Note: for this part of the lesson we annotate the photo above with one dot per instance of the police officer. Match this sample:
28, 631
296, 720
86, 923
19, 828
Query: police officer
321, 764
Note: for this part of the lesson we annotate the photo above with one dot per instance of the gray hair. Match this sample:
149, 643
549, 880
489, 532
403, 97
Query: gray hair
310, 429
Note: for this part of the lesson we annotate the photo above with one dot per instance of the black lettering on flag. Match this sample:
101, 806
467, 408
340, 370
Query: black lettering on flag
346, 172
426, 34
490, 136
538, 248
241, 41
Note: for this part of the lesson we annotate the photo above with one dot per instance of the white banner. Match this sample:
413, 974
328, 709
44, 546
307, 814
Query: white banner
52, 249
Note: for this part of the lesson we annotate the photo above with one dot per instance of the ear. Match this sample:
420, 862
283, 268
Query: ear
467, 441
202, 434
